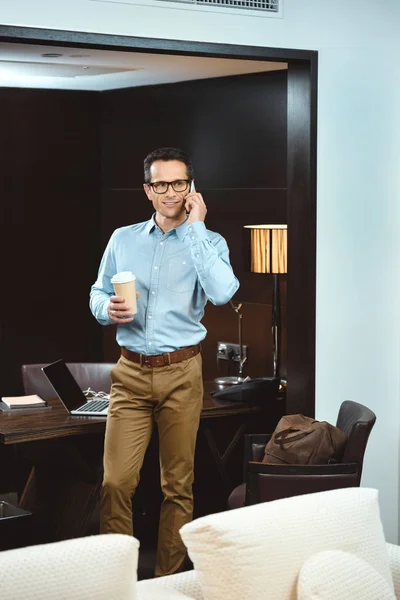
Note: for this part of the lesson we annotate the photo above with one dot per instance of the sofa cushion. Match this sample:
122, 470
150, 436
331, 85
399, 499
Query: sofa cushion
150, 591
257, 551
99, 567
171, 587
336, 574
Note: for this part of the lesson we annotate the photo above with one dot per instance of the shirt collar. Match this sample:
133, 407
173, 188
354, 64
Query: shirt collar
150, 225
180, 231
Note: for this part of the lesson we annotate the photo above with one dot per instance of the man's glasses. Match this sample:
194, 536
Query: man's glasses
160, 187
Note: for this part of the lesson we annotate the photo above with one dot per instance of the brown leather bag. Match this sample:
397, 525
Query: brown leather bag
300, 440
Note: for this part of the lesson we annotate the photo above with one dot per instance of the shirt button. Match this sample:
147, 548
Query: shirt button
150, 317
150, 343
197, 255
190, 229
161, 243
193, 237
155, 268
153, 292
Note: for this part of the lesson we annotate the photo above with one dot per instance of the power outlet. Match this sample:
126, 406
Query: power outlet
228, 351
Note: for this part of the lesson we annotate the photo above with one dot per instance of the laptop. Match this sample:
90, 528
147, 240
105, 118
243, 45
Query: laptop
71, 395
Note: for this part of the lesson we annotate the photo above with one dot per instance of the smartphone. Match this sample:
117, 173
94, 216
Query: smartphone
192, 189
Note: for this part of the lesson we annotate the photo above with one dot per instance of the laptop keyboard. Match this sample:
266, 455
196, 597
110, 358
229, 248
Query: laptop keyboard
93, 406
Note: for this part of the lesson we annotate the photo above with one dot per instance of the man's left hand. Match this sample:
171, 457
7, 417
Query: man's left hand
196, 207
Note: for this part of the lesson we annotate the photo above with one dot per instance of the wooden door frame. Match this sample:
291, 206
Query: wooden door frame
301, 175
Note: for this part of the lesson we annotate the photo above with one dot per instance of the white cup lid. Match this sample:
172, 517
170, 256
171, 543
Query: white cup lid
123, 277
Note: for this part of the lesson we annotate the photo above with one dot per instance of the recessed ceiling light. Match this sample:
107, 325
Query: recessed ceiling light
79, 55
51, 55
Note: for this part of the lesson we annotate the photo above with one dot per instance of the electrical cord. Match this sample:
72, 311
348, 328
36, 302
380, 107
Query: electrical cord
92, 394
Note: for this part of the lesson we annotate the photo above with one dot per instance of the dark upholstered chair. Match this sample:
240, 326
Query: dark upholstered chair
265, 482
93, 375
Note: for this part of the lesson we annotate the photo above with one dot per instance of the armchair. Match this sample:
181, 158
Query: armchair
265, 482
93, 375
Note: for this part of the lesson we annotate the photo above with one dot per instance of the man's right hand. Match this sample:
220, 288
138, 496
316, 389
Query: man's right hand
118, 312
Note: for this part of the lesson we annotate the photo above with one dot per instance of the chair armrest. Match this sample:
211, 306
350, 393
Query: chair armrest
258, 438
271, 482
394, 562
331, 469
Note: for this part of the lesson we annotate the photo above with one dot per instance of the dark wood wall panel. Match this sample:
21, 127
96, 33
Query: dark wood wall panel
234, 128
302, 159
50, 229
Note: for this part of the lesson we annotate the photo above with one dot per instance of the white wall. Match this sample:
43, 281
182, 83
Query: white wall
358, 184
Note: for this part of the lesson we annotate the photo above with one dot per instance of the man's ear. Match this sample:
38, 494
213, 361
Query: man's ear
147, 190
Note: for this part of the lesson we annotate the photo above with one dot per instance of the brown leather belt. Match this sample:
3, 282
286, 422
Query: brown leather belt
161, 360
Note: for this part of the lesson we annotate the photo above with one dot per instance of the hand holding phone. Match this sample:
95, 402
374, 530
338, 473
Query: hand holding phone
195, 207
192, 189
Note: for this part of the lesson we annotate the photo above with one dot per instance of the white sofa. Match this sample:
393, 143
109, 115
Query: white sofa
325, 546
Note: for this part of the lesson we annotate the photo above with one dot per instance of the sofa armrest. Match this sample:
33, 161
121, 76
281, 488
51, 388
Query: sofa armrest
394, 562
98, 566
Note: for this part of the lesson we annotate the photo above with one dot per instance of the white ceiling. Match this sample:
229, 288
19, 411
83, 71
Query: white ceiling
23, 65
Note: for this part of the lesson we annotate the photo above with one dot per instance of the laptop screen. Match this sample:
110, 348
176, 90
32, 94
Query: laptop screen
65, 385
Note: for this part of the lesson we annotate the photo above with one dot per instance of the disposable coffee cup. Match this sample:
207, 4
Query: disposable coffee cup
124, 284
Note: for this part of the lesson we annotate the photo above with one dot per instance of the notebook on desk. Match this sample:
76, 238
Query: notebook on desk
71, 395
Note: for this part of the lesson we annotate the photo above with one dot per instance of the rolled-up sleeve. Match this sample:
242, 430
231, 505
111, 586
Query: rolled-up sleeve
102, 289
211, 261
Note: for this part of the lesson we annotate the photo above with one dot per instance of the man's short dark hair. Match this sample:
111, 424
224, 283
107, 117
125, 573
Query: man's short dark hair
167, 154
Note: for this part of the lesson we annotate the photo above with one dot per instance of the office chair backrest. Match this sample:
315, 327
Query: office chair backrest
93, 375
357, 421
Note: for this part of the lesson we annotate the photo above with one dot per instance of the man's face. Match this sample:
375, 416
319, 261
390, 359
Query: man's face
170, 205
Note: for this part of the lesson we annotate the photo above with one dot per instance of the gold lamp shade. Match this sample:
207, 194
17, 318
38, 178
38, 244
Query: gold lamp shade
268, 248
269, 255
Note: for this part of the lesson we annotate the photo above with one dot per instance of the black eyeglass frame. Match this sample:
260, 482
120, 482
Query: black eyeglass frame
170, 183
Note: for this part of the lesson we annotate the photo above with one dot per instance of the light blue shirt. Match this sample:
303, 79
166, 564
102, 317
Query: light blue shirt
177, 272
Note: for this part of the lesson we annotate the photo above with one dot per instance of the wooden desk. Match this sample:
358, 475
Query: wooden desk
29, 425
66, 451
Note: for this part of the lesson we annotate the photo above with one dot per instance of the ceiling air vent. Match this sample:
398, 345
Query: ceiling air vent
264, 8
271, 6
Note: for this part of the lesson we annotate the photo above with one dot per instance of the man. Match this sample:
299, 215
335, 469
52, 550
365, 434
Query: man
179, 266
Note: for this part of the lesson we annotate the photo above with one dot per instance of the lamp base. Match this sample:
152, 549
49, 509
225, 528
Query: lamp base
228, 380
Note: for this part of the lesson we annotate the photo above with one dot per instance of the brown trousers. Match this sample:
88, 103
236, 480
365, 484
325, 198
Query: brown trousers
170, 397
